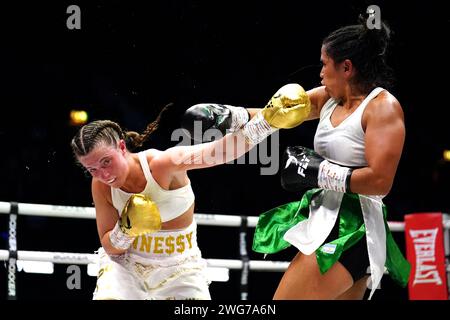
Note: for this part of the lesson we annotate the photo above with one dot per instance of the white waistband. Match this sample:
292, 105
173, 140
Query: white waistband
166, 244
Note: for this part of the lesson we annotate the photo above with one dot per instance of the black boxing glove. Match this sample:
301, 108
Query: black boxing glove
305, 169
201, 117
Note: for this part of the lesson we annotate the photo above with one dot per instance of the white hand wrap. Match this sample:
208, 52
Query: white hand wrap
239, 117
332, 176
257, 129
120, 240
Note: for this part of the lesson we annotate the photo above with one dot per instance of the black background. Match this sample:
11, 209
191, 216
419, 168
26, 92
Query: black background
130, 59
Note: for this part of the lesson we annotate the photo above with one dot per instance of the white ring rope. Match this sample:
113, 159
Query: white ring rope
89, 213
87, 258
45, 210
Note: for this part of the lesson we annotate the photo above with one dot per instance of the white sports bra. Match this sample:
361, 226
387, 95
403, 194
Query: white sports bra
345, 143
171, 203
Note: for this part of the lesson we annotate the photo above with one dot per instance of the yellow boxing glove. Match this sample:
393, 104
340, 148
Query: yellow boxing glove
287, 108
139, 216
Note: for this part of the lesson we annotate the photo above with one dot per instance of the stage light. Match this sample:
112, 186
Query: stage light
446, 155
78, 117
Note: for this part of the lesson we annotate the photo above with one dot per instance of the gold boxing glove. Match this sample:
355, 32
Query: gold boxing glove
139, 216
287, 108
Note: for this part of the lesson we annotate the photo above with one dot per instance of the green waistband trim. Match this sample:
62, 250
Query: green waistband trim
273, 224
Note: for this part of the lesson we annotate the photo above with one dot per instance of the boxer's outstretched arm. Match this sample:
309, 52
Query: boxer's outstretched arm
318, 96
287, 108
253, 111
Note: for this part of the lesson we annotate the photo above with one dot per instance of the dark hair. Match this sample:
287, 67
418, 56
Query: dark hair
109, 132
366, 49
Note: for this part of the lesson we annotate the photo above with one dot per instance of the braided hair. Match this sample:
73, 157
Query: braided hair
366, 49
109, 132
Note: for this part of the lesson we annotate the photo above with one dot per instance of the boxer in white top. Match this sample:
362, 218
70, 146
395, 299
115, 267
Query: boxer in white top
340, 225
145, 204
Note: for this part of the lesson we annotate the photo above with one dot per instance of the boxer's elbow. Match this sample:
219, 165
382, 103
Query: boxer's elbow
381, 185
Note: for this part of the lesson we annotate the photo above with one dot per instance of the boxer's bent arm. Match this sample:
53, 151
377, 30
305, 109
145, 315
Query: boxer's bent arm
318, 96
106, 215
384, 139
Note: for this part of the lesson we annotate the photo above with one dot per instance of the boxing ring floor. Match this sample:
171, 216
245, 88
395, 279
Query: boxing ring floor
220, 270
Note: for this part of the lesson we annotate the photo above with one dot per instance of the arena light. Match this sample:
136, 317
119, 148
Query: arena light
78, 117
446, 155
35, 266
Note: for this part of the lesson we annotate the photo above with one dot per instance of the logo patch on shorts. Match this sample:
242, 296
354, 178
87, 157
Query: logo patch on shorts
329, 248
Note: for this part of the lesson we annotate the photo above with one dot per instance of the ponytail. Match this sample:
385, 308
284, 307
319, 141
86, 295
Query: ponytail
109, 132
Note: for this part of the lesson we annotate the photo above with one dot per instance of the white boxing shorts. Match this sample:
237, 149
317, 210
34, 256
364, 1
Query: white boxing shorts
166, 265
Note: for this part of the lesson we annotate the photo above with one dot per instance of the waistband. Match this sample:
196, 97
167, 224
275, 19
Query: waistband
167, 243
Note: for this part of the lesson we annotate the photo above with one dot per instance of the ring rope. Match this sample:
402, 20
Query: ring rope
46, 210
244, 264
87, 258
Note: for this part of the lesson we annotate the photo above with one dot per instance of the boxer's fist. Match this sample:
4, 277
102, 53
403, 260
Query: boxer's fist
201, 117
139, 216
305, 169
287, 108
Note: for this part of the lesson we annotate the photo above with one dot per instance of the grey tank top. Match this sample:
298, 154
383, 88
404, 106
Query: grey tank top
343, 144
